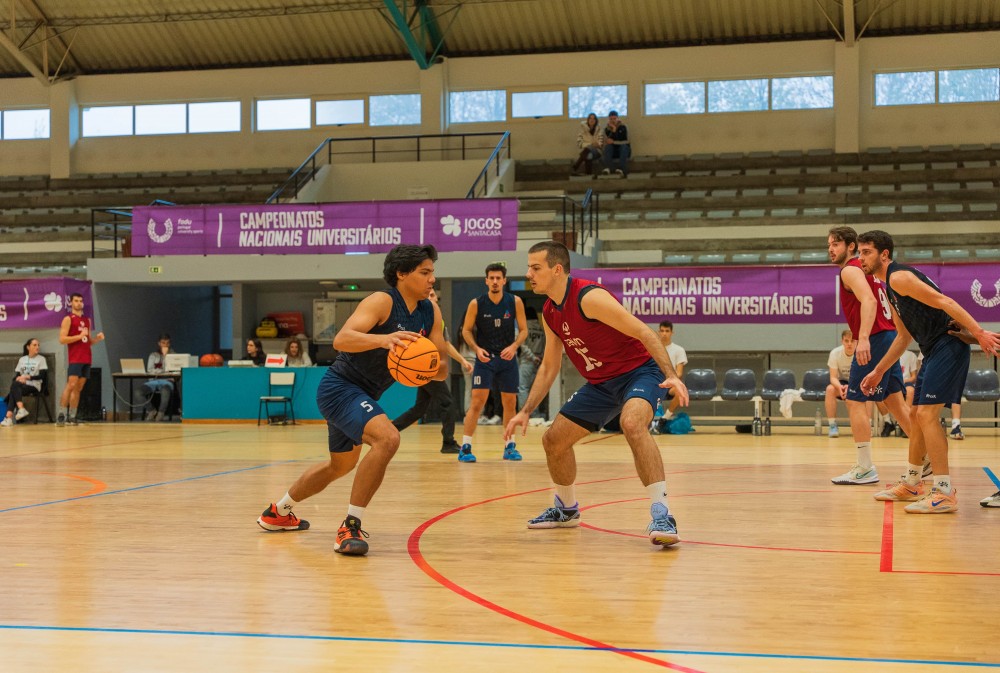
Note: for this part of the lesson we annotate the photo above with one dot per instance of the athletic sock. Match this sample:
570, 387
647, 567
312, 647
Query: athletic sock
943, 483
466, 439
865, 454
63, 410
566, 497
658, 493
955, 422
913, 473
285, 505
355, 511
72, 412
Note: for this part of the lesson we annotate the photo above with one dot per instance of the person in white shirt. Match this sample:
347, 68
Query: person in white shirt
678, 357
839, 363
156, 364
295, 356
29, 373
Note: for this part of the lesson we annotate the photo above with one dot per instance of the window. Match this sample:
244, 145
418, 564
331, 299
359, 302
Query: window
25, 124
675, 98
737, 95
904, 88
801, 93
221, 117
477, 106
598, 99
969, 86
337, 112
160, 119
115, 120
283, 115
536, 104
396, 110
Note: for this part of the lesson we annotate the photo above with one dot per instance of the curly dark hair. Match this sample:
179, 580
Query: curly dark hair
404, 259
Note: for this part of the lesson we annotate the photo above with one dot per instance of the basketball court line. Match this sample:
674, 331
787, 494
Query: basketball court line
993, 477
102, 446
98, 485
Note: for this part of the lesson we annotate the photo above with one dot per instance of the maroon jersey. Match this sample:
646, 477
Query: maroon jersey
598, 351
852, 305
79, 351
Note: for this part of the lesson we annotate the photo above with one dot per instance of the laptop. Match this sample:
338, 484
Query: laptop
174, 362
133, 366
241, 363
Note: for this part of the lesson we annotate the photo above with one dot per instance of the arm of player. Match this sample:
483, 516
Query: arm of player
510, 352
457, 357
437, 338
601, 305
467, 326
896, 349
373, 310
854, 279
906, 284
64, 337
544, 377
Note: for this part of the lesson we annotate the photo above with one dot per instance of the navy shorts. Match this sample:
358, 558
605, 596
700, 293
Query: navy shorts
593, 405
504, 371
80, 370
347, 409
942, 378
892, 380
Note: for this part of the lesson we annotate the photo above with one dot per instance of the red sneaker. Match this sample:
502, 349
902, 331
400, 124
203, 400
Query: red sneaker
270, 520
350, 538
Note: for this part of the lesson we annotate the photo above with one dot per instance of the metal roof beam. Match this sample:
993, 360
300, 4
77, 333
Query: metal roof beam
37, 13
23, 59
428, 28
849, 30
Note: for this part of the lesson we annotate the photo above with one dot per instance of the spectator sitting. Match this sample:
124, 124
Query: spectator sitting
29, 373
617, 149
295, 356
155, 364
255, 352
589, 141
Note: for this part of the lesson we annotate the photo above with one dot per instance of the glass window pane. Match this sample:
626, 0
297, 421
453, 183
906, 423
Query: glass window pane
336, 112
675, 98
25, 124
398, 110
598, 99
801, 93
214, 117
281, 115
107, 121
737, 95
160, 119
969, 86
536, 104
477, 106
904, 88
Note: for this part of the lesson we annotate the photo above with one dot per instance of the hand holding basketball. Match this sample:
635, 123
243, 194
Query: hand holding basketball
414, 363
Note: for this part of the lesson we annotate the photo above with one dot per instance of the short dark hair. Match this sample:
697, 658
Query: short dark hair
880, 239
666, 323
404, 259
555, 253
613, 113
497, 266
164, 337
75, 294
845, 234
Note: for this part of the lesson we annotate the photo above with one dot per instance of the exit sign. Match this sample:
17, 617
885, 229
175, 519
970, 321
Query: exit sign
155, 269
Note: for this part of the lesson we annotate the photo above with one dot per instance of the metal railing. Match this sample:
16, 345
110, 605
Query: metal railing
120, 224
414, 147
477, 191
580, 222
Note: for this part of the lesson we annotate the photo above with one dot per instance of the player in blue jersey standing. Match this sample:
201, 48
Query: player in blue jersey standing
349, 392
493, 315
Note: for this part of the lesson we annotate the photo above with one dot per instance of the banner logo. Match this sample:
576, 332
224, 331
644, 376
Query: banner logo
53, 302
451, 226
160, 238
977, 295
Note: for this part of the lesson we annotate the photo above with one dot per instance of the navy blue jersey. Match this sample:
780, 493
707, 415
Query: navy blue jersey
368, 369
495, 322
925, 323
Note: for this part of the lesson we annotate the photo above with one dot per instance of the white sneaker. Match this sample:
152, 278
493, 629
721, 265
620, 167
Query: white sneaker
536, 421
21, 413
496, 420
857, 475
6, 422
991, 501
834, 431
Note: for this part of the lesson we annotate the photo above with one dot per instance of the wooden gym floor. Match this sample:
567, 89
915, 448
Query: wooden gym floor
134, 547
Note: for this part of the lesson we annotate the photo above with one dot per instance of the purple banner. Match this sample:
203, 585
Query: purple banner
774, 294
39, 303
325, 228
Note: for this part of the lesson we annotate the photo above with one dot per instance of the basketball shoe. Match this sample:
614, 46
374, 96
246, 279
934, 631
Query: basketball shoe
270, 520
465, 454
662, 530
21, 413
857, 475
60, 420
902, 491
935, 502
834, 430
991, 501
956, 433
559, 516
510, 452
350, 538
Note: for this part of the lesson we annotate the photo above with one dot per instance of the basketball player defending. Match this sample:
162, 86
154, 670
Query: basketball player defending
626, 369
869, 318
493, 315
349, 391
75, 333
921, 312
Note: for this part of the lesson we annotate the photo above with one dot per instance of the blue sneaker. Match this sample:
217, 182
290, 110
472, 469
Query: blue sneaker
557, 517
510, 452
662, 530
465, 454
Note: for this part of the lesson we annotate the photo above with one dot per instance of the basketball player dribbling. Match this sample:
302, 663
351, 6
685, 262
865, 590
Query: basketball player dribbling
349, 392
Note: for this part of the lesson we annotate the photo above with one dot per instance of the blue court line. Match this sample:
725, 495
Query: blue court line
993, 477
145, 486
463, 643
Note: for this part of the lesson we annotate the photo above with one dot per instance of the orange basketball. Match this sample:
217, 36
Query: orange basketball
210, 360
414, 363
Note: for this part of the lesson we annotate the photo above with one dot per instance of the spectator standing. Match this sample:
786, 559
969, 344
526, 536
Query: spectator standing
75, 332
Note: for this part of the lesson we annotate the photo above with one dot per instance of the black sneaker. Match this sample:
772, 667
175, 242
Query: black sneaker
887, 429
72, 421
450, 447
60, 420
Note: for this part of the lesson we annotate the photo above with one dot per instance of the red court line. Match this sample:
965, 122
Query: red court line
98, 485
413, 547
885, 562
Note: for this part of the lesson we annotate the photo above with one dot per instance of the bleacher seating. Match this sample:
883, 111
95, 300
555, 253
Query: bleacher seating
814, 383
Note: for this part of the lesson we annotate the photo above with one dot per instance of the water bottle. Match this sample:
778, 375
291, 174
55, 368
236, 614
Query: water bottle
104, 413
756, 427
767, 426
818, 424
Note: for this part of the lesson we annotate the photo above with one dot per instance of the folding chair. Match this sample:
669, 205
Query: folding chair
41, 397
279, 381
